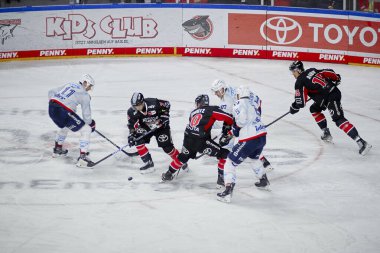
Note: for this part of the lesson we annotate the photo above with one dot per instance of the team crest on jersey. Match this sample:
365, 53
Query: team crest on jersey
298, 93
163, 138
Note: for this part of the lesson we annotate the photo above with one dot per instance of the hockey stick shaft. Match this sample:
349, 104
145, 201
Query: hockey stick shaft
274, 121
108, 156
123, 147
151, 131
125, 152
197, 157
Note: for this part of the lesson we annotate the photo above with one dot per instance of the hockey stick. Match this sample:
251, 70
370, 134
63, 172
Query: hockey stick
197, 157
274, 121
123, 147
125, 152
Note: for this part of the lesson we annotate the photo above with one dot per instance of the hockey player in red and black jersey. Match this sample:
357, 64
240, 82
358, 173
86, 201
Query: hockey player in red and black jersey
198, 137
320, 85
146, 115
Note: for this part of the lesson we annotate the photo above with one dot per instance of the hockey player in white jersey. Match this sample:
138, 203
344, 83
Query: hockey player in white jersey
227, 96
63, 103
251, 134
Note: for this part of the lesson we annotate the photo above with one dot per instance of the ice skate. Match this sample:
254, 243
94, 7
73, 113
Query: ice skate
147, 168
167, 176
364, 147
59, 151
84, 161
263, 184
326, 136
185, 167
226, 195
220, 182
267, 165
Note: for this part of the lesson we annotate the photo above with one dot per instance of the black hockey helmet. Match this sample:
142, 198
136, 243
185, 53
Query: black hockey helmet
202, 100
296, 65
137, 99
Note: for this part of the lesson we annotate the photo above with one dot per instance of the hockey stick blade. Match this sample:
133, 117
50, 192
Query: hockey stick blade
125, 152
108, 156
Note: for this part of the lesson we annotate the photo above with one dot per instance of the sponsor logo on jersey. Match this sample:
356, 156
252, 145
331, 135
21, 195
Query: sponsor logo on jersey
8, 55
77, 121
248, 52
286, 30
100, 51
199, 27
163, 138
190, 50
7, 26
240, 146
331, 57
52, 52
153, 50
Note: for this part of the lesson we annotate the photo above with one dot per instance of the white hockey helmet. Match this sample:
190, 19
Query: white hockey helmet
242, 91
218, 85
87, 78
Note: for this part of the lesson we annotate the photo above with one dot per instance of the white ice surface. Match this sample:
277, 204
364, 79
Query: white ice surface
324, 198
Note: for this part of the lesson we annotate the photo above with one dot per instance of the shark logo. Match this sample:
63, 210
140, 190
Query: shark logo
6, 32
199, 27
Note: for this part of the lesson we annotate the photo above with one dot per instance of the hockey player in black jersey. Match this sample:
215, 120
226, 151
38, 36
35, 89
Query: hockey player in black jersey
321, 86
198, 137
144, 115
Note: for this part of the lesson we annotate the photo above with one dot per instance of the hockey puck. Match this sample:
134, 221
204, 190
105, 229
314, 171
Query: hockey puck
130, 178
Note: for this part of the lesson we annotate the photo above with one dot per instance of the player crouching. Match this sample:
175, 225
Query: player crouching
198, 137
147, 114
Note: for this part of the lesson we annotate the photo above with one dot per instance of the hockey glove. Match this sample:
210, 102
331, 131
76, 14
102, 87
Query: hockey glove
93, 125
225, 139
164, 121
132, 140
337, 82
294, 108
226, 128
235, 130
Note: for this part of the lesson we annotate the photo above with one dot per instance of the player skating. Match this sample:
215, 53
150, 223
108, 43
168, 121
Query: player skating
251, 135
198, 137
227, 96
321, 86
63, 103
144, 115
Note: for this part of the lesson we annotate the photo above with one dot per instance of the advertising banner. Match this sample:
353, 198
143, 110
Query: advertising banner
191, 30
91, 28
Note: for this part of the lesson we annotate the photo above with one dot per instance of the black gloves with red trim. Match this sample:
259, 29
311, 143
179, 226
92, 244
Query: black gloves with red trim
294, 108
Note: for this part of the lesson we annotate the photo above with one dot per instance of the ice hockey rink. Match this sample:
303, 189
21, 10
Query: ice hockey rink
323, 198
